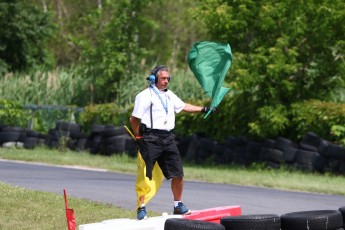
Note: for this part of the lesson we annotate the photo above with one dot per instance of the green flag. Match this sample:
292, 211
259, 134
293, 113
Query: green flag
210, 61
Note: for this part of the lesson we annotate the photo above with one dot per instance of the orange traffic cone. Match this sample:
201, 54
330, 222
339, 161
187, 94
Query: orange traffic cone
71, 224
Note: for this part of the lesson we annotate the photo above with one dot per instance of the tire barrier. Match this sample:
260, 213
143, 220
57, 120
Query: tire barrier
312, 220
342, 211
186, 224
103, 139
253, 222
312, 153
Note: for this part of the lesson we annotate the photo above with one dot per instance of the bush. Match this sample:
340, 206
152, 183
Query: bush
326, 119
318, 117
13, 114
272, 121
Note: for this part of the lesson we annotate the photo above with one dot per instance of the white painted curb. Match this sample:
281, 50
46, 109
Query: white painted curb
152, 223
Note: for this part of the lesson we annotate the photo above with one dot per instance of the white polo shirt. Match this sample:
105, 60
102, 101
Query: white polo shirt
162, 119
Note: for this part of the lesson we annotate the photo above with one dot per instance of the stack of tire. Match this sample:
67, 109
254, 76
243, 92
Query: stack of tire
103, 139
109, 140
308, 220
312, 153
64, 134
19, 137
279, 151
236, 147
94, 140
116, 140
12, 136
197, 149
33, 139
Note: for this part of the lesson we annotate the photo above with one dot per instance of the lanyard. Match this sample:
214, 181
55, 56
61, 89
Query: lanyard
165, 105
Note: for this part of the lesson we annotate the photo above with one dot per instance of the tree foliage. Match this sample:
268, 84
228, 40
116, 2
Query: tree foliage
24, 35
113, 49
283, 52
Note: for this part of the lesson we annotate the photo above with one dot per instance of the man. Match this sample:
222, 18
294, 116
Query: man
152, 121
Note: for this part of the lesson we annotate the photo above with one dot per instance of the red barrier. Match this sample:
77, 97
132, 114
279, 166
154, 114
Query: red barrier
214, 214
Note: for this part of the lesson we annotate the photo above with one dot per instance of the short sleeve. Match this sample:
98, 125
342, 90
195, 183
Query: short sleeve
141, 104
178, 103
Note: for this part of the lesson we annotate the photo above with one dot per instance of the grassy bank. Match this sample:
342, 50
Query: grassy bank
26, 209
284, 178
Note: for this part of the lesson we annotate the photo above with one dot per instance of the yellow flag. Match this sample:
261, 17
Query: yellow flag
144, 186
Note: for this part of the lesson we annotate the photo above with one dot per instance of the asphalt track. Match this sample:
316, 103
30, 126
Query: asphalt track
118, 189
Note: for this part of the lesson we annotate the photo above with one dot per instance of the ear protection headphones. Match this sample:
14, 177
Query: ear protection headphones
153, 78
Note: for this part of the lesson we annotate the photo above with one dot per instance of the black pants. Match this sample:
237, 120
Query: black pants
159, 146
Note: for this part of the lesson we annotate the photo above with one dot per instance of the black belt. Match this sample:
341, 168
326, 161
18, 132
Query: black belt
159, 131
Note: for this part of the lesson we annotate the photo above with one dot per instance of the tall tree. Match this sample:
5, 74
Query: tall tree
24, 34
111, 49
170, 33
283, 51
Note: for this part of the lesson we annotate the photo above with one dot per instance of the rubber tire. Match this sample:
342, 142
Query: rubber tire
228, 156
12, 129
73, 128
30, 142
193, 149
264, 154
252, 151
289, 155
56, 135
131, 147
276, 156
310, 142
269, 143
342, 211
183, 144
253, 222
185, 224
111, 131
67, 126
312, 220
306, 157
283, 143
9, 136
219, 150
96, 129
334, 165
205, 150
117, 146
320, 163
342, 167
335, 152
31, 133
307, 147
232, 142
81, 143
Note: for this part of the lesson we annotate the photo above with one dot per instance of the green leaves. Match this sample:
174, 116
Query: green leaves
323, 118
12, 114
25, 31
111, 54
271, 121
283, 52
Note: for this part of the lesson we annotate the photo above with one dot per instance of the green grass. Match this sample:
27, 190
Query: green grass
26, 209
